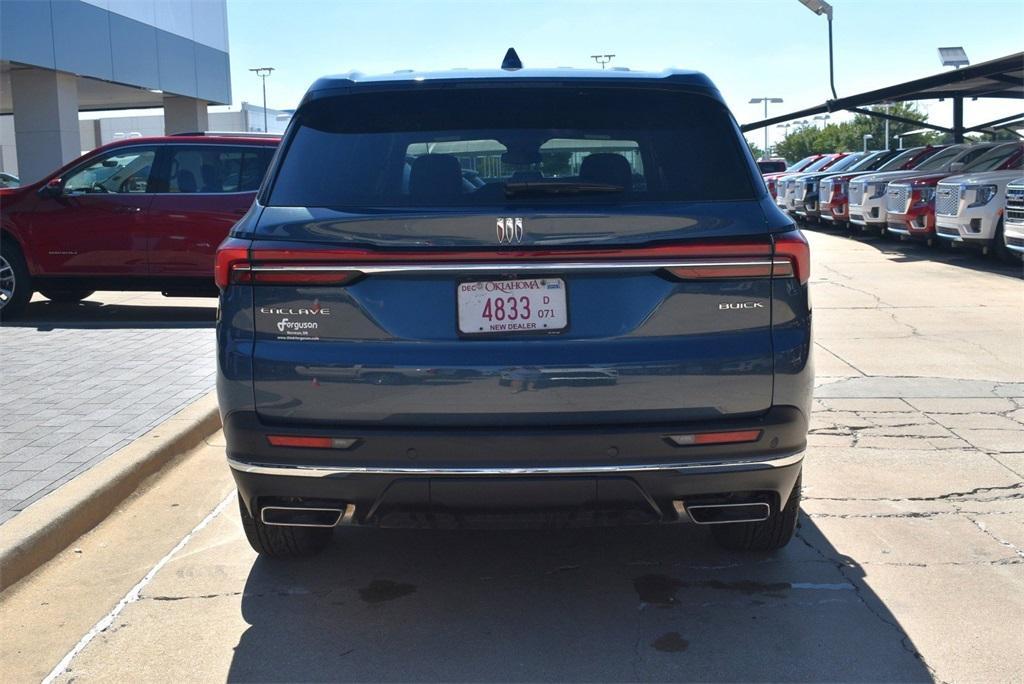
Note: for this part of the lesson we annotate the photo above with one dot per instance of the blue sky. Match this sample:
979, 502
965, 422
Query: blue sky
749, 48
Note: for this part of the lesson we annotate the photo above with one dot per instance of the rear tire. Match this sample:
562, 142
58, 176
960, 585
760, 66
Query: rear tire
768, 535
69, 296
15, 280
282, 542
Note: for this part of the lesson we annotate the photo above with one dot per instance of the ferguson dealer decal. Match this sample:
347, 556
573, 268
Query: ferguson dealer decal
297, 323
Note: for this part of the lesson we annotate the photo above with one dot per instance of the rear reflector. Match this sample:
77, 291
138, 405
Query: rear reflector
702, 438
311, 442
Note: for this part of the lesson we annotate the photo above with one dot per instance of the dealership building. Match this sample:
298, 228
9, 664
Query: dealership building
62, 57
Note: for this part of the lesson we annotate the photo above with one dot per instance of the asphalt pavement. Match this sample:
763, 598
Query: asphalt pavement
908, 564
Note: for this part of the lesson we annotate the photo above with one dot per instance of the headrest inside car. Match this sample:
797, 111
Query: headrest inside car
607, 167
435, 176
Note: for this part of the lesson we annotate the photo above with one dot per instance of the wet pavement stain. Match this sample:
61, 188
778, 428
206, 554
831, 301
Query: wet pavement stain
379, 591
661, 589
670, 642
657, 589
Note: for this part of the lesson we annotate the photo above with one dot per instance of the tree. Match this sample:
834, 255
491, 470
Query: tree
800, 143
849, 136
754, 149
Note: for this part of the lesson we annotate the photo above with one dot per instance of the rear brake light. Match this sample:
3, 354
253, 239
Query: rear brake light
704, 438
311, 442
793, 247
231, 253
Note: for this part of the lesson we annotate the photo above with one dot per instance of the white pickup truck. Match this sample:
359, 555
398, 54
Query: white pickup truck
969, 209
867, 193
1013, 219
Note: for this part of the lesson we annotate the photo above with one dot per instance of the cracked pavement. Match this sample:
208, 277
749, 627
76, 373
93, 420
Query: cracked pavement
908, 564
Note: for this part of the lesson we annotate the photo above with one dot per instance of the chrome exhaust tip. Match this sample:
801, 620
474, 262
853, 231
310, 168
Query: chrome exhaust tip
303, 516
720, 514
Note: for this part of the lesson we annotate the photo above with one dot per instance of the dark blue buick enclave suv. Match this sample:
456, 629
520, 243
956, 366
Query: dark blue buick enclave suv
549, 297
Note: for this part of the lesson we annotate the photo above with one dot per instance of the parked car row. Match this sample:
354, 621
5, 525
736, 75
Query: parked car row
957, 194
137, 214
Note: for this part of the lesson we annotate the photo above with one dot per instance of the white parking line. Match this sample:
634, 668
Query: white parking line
133, 595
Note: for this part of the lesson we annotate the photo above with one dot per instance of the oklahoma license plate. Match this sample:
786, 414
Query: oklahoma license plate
510, 306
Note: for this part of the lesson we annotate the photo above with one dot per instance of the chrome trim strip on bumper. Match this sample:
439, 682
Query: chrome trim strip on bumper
898, 231
289, 470
530, 267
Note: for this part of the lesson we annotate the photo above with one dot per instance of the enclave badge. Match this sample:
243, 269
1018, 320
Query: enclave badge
510, 230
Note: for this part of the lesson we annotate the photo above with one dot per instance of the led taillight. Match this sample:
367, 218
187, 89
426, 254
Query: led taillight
232, 253
759, 268
298, 441
705, 438
793, 246
257, 274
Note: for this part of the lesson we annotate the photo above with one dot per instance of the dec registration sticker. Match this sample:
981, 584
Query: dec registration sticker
509, 306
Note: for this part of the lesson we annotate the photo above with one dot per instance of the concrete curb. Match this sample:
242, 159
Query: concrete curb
48, 526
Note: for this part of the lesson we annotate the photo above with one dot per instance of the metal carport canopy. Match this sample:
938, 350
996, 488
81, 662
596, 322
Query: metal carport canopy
997, 78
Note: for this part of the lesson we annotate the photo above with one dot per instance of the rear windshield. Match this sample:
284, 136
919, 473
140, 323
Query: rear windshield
510, 146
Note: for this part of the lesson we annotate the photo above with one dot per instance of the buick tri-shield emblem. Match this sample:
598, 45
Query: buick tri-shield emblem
510, 230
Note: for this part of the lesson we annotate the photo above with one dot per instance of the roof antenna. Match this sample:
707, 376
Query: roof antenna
511, 61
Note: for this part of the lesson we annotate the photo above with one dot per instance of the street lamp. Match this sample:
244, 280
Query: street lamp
820, 7
822, 117
900, 136
263, 72
602, 59
887, 106
867, 136
766, 100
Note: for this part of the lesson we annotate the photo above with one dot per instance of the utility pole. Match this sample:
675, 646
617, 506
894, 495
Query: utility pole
263, 72
766, 100
602, 59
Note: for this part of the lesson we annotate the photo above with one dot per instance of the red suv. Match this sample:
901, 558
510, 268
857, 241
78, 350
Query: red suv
137, 214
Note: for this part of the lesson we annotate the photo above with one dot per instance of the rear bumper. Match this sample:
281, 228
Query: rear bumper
626, 474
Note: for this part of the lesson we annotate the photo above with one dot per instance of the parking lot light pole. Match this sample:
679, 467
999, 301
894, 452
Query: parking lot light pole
867, 136
263, 72
602, 59
766, 100
820, 7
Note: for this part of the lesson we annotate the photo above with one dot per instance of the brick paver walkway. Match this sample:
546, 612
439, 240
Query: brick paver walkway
77, 383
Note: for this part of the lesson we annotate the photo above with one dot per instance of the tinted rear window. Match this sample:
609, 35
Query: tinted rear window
509, 146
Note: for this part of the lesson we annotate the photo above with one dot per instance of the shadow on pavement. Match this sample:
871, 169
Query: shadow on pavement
912, 251
46, 315
623, 604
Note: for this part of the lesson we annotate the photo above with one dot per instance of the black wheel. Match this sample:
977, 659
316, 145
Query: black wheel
15, 280
282, 542
768, 535
999, 248
67, 296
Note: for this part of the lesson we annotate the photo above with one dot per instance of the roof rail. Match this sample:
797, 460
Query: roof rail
230, 134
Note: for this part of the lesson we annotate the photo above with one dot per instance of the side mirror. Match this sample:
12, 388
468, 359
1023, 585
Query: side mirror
956, 167
54, 188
